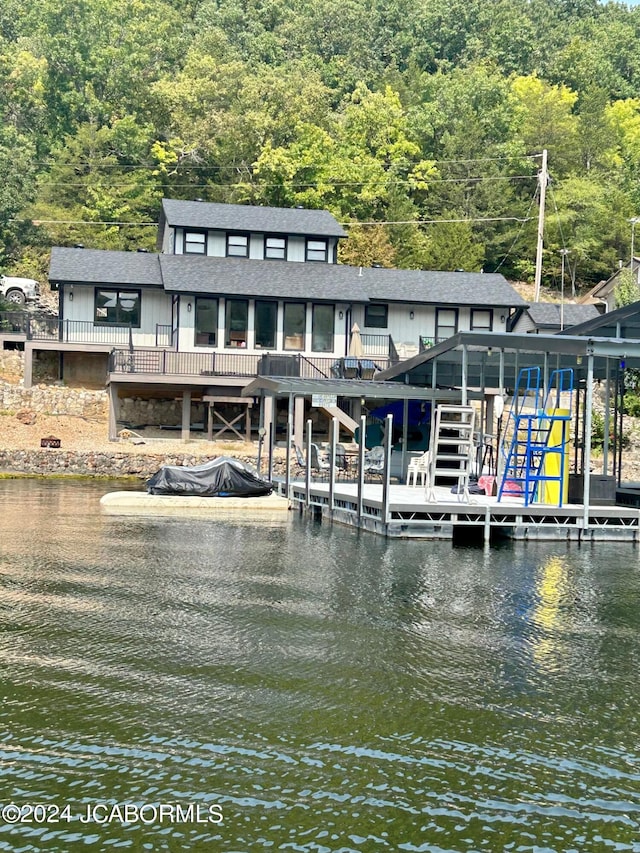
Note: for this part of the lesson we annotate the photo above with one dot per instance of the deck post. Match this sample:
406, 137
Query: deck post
588, 405
186, 415
114, 403
501, 373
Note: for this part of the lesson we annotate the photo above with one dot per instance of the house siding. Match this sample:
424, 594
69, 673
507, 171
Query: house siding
78, 313
173, 244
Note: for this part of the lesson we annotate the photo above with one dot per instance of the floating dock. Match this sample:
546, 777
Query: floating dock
134, 503
408, 514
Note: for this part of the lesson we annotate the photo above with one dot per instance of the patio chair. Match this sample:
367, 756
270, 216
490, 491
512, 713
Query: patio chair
319, 461
374, 462
418, 470
351, 368
368, 368
299, 465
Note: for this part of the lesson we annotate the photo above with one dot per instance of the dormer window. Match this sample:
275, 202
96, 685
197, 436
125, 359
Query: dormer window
317, 250
275, 248
195, 243
237, 245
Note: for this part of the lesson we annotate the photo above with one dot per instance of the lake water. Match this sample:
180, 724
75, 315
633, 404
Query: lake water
317, 688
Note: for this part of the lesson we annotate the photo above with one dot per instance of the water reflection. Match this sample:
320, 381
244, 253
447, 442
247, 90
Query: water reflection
553, 592
331, 690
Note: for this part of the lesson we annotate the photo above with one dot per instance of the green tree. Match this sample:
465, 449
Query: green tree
627, 290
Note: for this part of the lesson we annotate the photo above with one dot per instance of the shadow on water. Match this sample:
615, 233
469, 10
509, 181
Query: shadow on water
328, 690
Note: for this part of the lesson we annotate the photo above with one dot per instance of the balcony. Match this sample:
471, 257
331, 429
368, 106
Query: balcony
52, 329
165, 362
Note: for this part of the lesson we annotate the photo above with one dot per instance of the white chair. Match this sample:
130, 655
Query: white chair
418, 470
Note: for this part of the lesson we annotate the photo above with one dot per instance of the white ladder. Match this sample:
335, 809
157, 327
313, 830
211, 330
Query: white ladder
451, 449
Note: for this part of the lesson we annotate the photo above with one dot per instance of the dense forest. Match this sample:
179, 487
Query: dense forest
419, 123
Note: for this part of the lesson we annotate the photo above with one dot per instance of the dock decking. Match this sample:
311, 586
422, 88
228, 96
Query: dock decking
410, 515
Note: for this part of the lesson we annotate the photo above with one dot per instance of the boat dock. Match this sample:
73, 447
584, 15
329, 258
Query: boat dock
405, 512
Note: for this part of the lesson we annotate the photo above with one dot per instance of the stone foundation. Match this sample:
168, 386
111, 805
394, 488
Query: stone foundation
54, 400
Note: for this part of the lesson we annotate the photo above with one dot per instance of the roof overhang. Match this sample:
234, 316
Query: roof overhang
284, 386
493, 359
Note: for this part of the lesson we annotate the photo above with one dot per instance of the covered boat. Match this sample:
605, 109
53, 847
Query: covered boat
220, 477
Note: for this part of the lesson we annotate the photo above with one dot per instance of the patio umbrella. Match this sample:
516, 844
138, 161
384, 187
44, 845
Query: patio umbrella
356, 349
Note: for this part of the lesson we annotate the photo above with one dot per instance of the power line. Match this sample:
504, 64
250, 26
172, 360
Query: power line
37, 222
518, 235
436, 221
259, 184
210, 168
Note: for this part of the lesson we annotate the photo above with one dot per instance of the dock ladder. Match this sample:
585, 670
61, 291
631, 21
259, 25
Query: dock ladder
536, 458
451, 448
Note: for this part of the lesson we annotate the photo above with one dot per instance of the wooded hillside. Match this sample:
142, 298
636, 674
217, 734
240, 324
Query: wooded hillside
418, 123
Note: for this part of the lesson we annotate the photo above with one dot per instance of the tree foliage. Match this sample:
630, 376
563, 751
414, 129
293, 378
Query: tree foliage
426, 120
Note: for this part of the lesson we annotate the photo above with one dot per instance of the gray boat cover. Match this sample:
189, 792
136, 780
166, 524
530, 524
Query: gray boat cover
220, 477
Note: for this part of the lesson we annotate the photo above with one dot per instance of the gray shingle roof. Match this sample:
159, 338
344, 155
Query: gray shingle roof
242, 277
280, 279
244, 217
334, 282
100, 266
548, 313
441, 288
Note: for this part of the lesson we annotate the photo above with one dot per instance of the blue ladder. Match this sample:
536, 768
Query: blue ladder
531, 449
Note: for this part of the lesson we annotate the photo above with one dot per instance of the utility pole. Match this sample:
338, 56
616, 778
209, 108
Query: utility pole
543, 178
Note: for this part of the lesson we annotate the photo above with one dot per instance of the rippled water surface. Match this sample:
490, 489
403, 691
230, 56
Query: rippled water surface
325, 690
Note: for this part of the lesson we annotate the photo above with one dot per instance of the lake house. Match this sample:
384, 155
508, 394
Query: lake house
237, 291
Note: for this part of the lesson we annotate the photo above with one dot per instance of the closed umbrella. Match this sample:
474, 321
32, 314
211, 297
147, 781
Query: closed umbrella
356, 349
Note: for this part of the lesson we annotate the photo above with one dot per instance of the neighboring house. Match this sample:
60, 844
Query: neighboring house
603, 295
545, 317
239, 291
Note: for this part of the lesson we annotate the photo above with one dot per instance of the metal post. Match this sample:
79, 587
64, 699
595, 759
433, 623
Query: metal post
587, 449
465, 370
261, 433
287, 475
607, 418
272, 442
307, 473
405, 435
386, 475
621, 426
361, 451
333, 431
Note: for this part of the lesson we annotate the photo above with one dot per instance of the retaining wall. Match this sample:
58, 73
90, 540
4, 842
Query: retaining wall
115, 464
